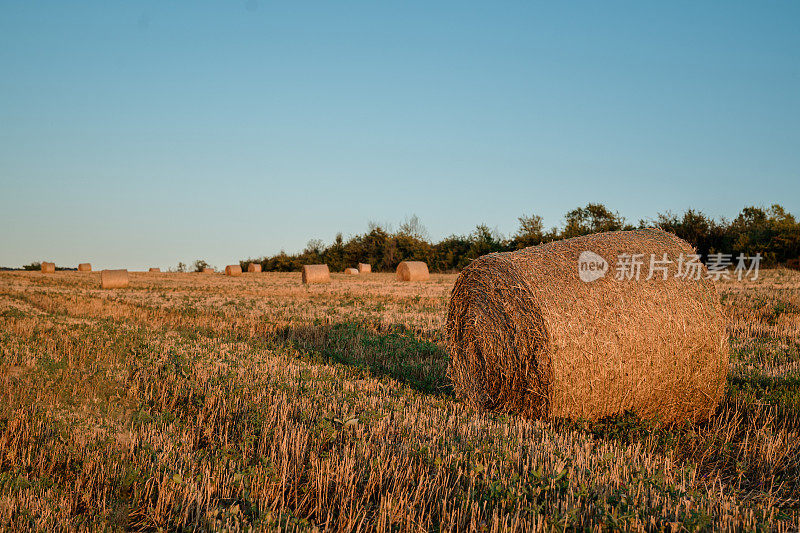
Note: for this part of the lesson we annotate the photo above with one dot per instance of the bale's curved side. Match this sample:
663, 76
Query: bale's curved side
48, 268
316, 274
233, 270
364, 268
413, 271
113, 279
351, 271
254, 268
85, 267
526, 334
154, 269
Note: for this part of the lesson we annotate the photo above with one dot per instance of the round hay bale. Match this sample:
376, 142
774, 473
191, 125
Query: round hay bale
364, 268
254, 268
48, 268
233, 270
113, 279
413, 271
316, 274
351, 271
527, 334
85, 267
154, 269
208, 270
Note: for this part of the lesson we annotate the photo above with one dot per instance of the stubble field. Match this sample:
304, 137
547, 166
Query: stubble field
192, 401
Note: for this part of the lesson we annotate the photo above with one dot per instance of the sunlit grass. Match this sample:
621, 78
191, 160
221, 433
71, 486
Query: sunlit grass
191, 401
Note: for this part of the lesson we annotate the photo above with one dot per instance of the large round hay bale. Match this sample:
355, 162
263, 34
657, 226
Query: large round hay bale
351, 271
85, 267
154, 269
254, 268
113, 279
364, 268
233, 270
48, 268
412, 271
527, 334
316, 274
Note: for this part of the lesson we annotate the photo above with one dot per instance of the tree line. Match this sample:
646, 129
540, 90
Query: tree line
772, 232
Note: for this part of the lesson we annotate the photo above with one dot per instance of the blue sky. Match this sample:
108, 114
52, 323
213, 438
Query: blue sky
146, 133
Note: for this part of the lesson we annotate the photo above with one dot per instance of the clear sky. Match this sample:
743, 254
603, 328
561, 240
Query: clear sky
136, 134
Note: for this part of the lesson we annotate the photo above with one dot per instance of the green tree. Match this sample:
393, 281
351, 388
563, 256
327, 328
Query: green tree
593, 218
199, 265
530, 232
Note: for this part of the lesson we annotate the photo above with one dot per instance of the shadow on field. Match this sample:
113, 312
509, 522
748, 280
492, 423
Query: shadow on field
398, 354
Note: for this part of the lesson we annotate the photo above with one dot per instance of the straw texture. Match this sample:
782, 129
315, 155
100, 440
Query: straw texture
233, 270
113, 279
316, 274
208, 270
254, 268
48, 268
351, 271
526, 334
85, 267
364, 268
412, 271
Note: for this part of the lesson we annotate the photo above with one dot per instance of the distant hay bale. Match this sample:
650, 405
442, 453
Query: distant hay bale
527, 334
233, 270
113, 279
364, 268
254, 268
413, 271
48, 268
85, 267
208, 270
316, 274
351, 271
154, 269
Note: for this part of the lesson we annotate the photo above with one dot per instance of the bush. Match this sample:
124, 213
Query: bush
772, 232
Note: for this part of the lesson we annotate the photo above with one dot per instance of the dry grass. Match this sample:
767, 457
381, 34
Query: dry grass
223, 403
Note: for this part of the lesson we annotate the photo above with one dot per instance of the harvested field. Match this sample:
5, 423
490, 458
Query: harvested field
217, 402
